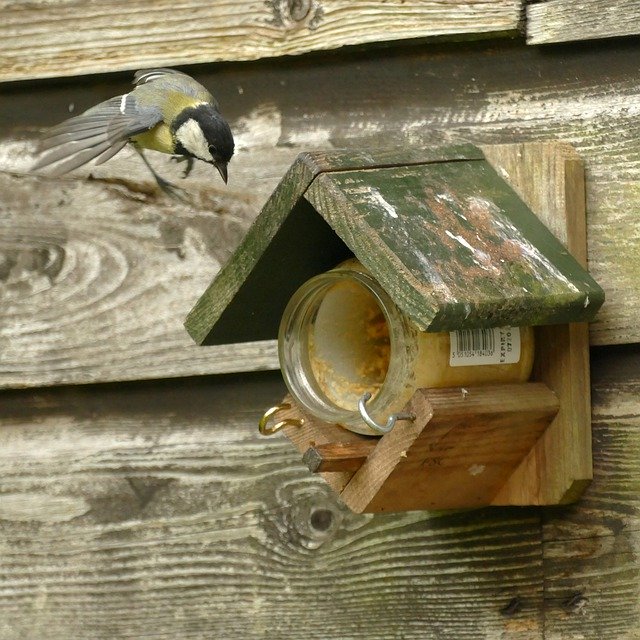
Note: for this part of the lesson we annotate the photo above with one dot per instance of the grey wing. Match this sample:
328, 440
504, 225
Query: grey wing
98, 133
173, 80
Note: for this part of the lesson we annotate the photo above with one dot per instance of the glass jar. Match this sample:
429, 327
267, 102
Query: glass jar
342, 336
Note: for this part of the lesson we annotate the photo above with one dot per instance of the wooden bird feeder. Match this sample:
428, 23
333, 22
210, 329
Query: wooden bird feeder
451, 236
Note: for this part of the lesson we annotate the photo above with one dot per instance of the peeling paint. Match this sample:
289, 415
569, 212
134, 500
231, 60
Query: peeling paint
530, 253
481, 258
461, 240
378, 198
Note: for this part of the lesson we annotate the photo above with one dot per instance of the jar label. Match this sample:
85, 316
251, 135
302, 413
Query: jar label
498, 345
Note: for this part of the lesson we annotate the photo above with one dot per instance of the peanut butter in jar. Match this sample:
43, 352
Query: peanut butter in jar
342, 336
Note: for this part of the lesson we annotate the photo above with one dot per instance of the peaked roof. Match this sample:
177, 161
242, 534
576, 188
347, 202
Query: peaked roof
450, 241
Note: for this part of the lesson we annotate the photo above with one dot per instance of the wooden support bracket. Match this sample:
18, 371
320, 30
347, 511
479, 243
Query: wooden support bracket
462, 447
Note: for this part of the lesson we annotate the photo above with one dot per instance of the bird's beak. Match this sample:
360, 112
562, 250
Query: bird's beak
222, 168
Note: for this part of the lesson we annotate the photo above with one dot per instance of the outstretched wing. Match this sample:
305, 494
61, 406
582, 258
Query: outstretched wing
98, 133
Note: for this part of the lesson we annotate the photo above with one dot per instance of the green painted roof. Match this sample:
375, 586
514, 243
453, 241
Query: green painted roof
451, 242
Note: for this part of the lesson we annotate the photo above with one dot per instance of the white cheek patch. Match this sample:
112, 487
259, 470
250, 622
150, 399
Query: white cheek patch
192, 139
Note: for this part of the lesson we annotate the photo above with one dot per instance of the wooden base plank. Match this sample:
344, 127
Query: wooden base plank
457, 453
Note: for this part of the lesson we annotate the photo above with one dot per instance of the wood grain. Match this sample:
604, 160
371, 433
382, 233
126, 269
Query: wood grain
337, 456
591, 548
155, 509
53, 38
98, 261
566, 20
550, 179
458, 452
168, 516
506, 93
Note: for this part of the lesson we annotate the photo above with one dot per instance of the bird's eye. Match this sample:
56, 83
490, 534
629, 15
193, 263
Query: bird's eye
212, 149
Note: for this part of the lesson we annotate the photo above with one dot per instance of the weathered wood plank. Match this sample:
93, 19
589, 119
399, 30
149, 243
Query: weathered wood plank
155, 509
158, 511
47, 39
591, 548
457, 453
560, 465
565, 20
586, 96
97, 261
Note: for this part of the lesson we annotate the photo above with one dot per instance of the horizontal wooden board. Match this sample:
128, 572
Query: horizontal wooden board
57, 38
149, 259
81, 267
565, 20
158, 511
155, 509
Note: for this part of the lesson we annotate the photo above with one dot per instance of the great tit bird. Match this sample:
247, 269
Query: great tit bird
167, 111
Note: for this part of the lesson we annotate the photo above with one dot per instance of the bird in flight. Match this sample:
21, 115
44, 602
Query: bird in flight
167, 111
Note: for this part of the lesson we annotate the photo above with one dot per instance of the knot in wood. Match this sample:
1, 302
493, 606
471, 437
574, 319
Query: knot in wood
299, 9
512, 607
321, 519
312, 520
575, 603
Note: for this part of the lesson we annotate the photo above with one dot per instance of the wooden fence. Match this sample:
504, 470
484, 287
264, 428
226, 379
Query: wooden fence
136, 498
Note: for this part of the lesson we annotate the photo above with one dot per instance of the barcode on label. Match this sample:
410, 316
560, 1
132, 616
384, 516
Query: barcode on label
499, 345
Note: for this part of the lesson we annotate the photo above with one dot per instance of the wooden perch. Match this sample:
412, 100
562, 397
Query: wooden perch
338, 456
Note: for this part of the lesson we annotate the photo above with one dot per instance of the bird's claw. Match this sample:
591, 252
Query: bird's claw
187, 170
173, 191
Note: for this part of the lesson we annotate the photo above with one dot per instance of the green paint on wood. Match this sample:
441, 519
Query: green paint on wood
450, 241
235, 306
455, 246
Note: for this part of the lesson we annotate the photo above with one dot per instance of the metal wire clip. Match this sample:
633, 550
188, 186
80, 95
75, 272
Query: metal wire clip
263, 424
370, 422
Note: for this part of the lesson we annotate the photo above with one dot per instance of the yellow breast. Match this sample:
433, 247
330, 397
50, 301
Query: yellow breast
159, 139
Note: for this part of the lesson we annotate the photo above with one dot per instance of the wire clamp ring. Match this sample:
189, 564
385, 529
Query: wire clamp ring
372, 424
263, 424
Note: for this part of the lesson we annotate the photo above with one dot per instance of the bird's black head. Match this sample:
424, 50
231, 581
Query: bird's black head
201, 132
